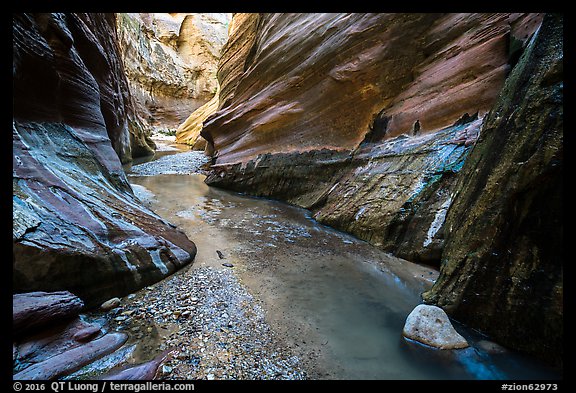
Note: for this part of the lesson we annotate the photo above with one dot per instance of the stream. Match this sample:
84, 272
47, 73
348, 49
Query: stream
338, 303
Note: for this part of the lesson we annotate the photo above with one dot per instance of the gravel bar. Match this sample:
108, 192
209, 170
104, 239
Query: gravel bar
175, 164
215, 327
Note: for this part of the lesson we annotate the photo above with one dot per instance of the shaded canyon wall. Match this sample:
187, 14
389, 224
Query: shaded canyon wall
502, 264
77, 225
368, 120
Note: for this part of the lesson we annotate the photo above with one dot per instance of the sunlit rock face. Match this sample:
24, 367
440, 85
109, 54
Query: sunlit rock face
366, 119
171, 62
369, 120
76, 223
189, 131
502, 265
299, 82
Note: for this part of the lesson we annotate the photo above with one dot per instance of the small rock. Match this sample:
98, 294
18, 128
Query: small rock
166, 369
228, 265
110, 304
144, 371
490, 347
210, 377
86, 334
430, 325
220, 255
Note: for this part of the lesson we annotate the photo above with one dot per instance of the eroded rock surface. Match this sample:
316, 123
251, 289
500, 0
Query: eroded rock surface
73, 359
51, 338
502, 265
300, 82
368, 119
144, 371
34, 310
171, 62
189, 131
77, 225
363, 118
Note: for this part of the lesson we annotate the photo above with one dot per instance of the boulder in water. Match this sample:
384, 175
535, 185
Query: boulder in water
430, 325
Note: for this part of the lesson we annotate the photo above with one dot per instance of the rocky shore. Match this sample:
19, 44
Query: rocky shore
214, 328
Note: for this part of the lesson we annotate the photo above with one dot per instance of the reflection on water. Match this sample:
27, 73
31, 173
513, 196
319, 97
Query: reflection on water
326, 289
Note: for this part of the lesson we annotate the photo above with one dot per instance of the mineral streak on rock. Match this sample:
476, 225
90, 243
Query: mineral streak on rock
321, 111
502, 264
77, 225
389, 195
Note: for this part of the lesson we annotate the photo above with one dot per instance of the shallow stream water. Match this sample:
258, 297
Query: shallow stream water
339, 303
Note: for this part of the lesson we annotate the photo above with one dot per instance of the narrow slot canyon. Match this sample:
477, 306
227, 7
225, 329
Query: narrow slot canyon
253, 196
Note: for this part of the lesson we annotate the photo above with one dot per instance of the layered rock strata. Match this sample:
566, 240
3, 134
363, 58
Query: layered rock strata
171, 62
368, 120
35, 310
300, 82
77, 225
363, 118
50, 340
502, 264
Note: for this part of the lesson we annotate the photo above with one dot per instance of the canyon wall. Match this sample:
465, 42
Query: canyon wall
363, 118
368, 120
171, 62
502, 264
77, 225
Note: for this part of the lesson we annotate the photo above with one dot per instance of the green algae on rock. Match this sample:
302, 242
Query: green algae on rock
502, 264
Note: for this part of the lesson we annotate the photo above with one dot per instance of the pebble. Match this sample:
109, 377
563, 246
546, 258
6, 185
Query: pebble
181, 164
218, 327
110, 304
